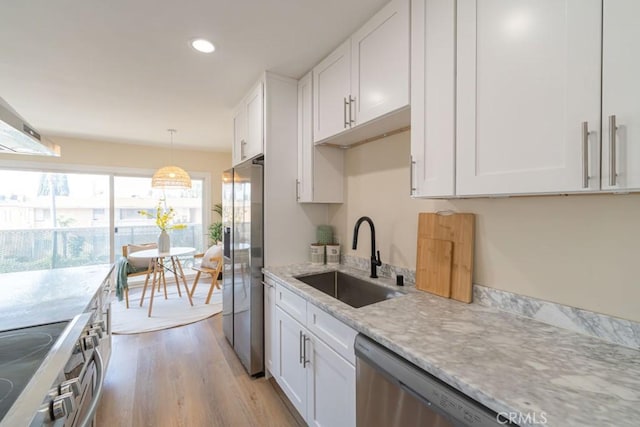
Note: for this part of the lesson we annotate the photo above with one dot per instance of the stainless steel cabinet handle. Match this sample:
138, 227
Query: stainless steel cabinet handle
297, 190
585, 154
612, 150
352, 103
412, 188
344, 111
300, 348
242, 144
304, 350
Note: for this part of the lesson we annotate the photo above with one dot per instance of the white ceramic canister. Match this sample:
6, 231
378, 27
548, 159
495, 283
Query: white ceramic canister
317, 253
333, 254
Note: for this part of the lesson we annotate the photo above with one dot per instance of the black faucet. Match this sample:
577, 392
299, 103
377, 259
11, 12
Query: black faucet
375, 261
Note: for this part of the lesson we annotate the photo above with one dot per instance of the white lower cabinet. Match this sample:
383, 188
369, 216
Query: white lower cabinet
292, 376
318, 380
331, 387
270, 349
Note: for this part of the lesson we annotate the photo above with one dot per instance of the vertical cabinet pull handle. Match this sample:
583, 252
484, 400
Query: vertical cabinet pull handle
242, 144
352, 103
344, 110
304, 350
297, 190
412, 188
585, 154
612, 151
300, 349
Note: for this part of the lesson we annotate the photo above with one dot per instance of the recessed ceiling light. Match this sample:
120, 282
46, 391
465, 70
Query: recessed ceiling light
202, 45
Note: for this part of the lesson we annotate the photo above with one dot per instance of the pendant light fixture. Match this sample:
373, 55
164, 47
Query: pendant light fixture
171, 176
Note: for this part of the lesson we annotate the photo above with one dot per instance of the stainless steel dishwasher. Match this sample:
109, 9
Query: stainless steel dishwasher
391, 391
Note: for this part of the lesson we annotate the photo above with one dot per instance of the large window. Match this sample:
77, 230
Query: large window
53, 220
49, 221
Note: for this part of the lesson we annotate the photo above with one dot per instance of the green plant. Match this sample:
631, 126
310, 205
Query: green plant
215, 232
215, 229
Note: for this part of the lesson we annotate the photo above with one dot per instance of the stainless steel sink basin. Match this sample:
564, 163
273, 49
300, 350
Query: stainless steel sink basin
348, 289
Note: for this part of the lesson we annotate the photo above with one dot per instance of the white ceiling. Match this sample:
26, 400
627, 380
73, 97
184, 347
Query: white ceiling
123, 71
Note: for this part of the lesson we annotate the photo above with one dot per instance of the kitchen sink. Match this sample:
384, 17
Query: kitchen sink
348, 289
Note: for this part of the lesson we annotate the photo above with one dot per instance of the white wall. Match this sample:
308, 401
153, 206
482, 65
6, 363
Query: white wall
582, 251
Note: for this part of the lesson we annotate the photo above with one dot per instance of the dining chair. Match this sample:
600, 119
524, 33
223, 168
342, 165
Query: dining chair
142, 266
213, 271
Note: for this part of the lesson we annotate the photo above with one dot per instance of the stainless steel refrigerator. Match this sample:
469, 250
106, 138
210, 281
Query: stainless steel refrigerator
242, 293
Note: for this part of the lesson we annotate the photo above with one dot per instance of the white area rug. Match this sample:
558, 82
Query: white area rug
167, 313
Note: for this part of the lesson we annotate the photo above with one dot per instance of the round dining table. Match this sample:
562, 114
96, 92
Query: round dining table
158, 265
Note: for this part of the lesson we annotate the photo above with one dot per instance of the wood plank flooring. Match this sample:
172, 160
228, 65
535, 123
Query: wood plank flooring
187, 377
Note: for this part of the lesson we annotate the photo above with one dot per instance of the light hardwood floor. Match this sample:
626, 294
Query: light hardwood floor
186, 376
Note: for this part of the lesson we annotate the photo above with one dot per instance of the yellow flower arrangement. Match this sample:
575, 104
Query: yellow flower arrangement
163, 217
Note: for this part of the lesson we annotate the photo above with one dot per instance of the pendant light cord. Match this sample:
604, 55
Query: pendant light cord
171, 132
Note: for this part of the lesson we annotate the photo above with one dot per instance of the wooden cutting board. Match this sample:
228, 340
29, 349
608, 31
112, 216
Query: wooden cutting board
444, 261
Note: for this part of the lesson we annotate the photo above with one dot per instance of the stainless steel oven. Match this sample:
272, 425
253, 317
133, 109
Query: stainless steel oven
55, 373
390, 391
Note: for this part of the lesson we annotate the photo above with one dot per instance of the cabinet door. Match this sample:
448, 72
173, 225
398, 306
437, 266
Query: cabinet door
239, 134
528, 77
380, 63
304, 189
270, 330
432, 98
621, 95
331, 89
255, 123
291, 371
331, 387
320, 168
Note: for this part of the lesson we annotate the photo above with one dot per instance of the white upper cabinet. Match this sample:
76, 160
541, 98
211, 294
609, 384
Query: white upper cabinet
331, 89
433, 98
320, 169
528, 96
621, 96
248, 125
379, 64
239, 134
255, 122
304, 182
366, 78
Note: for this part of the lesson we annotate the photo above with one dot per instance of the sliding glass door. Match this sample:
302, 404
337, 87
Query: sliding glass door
133, 194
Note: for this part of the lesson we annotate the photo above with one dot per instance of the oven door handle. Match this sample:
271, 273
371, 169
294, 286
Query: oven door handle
97, 390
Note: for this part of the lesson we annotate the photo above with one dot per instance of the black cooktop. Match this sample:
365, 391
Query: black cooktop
22, 351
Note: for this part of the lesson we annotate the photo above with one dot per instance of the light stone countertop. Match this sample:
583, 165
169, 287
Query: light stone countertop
506, 362
47, 296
